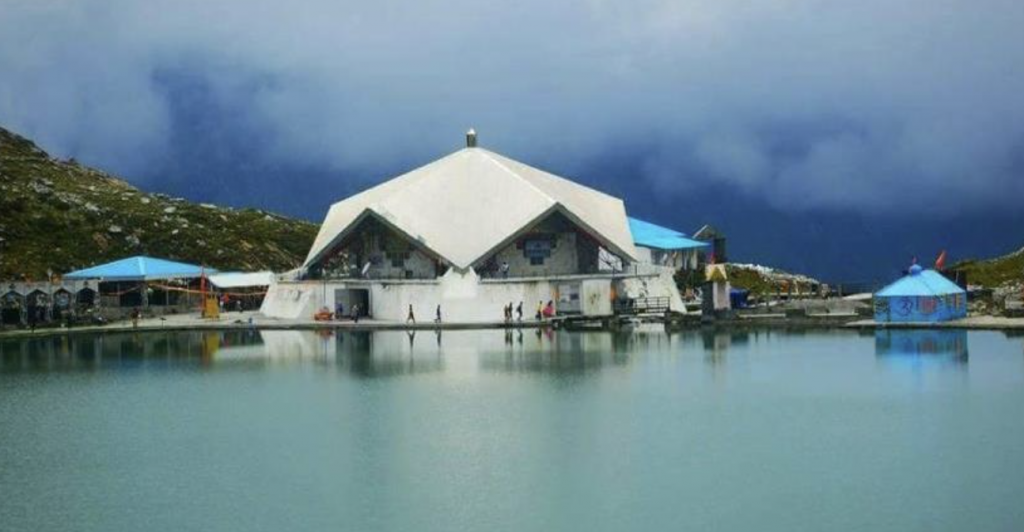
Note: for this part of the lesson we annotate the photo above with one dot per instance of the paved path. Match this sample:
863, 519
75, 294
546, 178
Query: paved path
241, 320
971, 322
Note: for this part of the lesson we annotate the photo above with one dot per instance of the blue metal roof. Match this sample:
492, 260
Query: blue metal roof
921, 283
139, 268
655, 236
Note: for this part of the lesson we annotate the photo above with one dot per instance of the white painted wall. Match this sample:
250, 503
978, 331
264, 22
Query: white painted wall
463, 297
563, 260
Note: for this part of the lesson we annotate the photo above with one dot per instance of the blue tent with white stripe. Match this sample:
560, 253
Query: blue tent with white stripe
655, 236
139, 268
921, 296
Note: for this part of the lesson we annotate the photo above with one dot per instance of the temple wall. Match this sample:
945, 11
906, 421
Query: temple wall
463, 297
562, 261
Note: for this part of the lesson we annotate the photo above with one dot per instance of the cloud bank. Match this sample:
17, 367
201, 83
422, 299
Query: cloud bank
909, 107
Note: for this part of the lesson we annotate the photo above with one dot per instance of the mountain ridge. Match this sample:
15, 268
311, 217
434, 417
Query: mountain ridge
59, 216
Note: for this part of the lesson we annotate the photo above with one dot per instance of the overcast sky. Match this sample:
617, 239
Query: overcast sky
877, 109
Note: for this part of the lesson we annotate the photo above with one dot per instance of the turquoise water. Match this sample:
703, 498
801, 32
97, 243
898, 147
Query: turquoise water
480, 430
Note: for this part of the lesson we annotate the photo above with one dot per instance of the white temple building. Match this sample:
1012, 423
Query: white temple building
471, 233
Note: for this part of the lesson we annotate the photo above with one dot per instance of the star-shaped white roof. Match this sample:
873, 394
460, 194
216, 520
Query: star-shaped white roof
466, 205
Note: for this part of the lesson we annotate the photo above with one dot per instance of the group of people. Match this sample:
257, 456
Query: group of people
411, 318
544, 311
518, 311
225, 303
339, 311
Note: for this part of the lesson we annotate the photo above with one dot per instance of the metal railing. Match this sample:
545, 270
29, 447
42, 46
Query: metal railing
642, 305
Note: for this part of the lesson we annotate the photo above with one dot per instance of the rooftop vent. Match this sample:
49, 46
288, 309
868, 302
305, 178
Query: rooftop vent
471, 138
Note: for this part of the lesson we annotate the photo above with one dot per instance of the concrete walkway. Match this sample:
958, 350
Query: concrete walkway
994, 323
241, 320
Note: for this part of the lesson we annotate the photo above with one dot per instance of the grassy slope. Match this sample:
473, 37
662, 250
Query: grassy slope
61, 216
995, 272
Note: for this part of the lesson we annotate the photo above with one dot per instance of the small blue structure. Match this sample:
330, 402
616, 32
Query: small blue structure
921, 296
654, 236
140, 268
738, 297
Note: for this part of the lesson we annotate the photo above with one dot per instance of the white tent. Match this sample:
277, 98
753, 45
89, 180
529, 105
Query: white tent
241, 279
463, 207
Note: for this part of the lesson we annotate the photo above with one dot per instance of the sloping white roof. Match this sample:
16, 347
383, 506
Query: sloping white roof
466, 205
241, 279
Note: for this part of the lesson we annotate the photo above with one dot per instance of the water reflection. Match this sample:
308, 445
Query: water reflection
718, 342
395, 353
918, 347
367, 354
119, 350
361, 353
548, 350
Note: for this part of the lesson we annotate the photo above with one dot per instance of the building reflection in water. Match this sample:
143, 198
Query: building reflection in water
718, 342
919, 347
546, 350
361, 353
121, 350
389, 353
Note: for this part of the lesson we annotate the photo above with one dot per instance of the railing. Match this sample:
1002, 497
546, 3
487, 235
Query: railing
642, 305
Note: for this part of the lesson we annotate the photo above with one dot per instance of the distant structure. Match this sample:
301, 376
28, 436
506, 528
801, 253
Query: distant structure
921, 296
665, 247
142, 281
243, 288
716, 254
471, 232
716, 289
108, 290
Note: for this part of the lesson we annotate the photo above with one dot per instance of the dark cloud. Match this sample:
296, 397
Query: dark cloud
872, 108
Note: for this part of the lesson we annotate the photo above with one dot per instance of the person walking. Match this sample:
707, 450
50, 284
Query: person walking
437, 319
540, 310
355, 313
519, 312
412, 317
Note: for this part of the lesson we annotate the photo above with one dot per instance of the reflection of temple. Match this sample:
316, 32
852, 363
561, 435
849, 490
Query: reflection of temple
388, 353
940, 345
550, 351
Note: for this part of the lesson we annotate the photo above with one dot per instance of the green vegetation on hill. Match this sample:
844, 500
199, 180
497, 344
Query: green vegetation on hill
992, 273
59, 215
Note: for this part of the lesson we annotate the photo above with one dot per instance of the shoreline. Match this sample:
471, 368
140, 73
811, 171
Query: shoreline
241, 322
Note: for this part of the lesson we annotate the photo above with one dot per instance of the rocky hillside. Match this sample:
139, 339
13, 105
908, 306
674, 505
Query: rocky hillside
994, 273
61, 216
763, 280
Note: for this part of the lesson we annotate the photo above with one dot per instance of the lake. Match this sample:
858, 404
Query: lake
534, 430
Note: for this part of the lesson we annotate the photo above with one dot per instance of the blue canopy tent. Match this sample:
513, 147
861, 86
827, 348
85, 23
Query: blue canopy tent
655, 236
139, 268
920, 296
126, 280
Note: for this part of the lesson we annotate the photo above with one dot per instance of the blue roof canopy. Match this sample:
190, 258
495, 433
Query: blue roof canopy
655, 236
139, 268
921, 282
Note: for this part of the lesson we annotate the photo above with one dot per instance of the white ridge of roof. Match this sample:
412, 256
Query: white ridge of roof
462, 206
239, 279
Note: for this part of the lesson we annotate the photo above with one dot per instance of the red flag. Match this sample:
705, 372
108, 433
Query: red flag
940, 263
